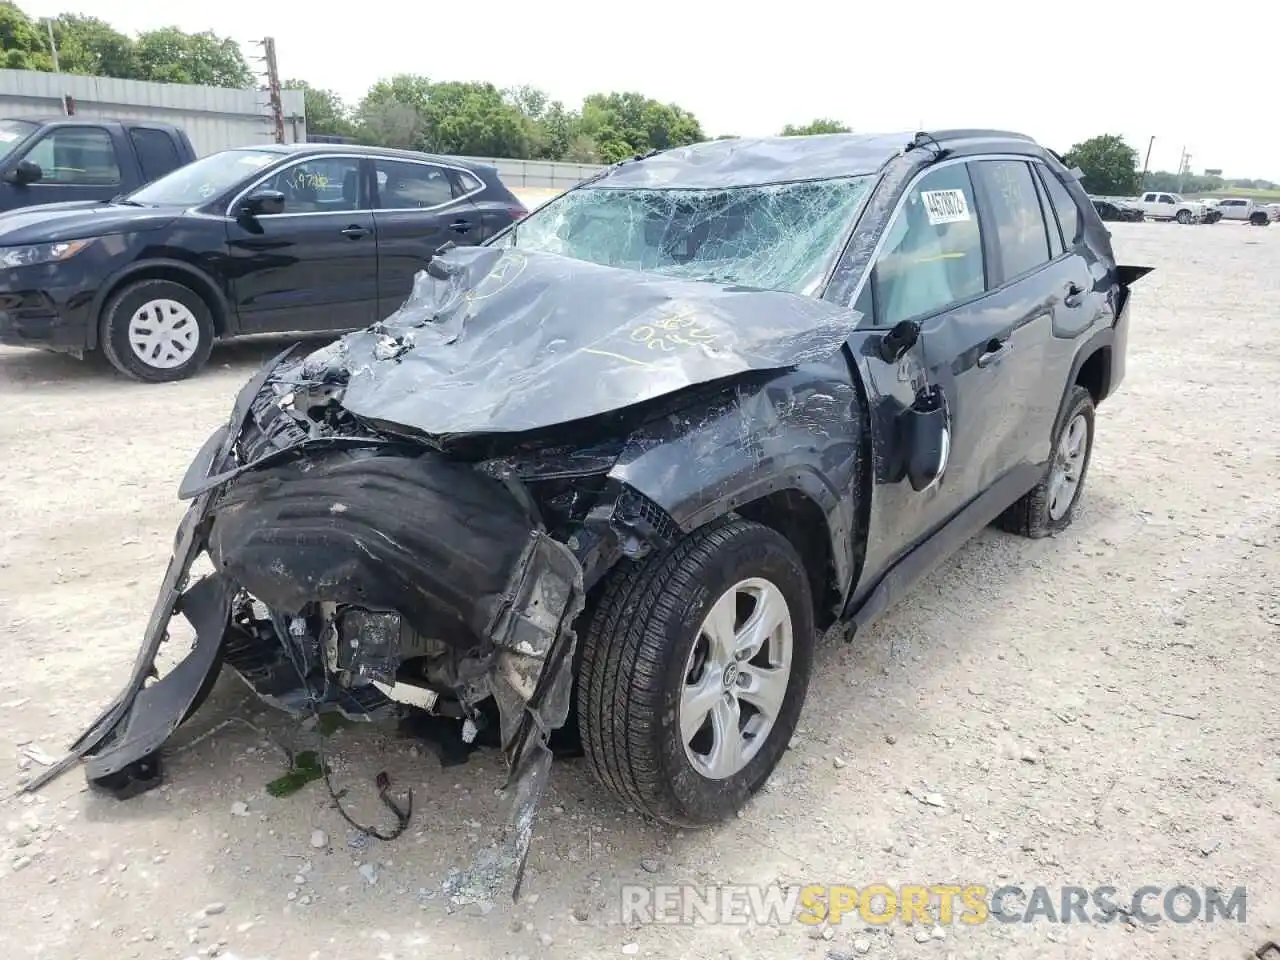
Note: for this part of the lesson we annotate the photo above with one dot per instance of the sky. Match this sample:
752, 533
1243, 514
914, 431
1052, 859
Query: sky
1060, 72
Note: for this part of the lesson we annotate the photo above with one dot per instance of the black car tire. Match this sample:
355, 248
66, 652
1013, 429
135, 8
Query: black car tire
1031, 515
635, 655
114, 330
1184, 216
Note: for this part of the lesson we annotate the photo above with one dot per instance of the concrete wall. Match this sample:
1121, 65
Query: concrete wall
517, 174
215, 118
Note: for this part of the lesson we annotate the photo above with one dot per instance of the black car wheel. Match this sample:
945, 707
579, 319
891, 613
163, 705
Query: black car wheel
157, 331
1051, 505
694, 671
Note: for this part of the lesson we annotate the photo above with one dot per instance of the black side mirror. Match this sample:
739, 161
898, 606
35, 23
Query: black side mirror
899, 340
262, 203
23, 172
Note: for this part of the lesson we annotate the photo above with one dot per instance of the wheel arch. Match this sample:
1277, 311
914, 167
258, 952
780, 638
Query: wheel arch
1093, 368
163, 269
800, 518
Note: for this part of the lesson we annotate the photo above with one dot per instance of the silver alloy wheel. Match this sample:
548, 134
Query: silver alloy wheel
736, 678
164, 334
1068, 466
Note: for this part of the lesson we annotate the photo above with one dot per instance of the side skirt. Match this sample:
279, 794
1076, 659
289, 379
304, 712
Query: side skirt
954, 534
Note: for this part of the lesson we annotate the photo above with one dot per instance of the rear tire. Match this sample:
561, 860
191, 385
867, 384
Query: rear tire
1042, 511
651, 672
156, 331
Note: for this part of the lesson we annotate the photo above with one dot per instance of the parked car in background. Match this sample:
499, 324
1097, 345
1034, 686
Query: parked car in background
645, 446
289, 238
65, 159
1171, 206
1112, 209
1246, 210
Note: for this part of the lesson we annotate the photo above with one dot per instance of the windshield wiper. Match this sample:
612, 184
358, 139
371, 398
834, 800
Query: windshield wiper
123, 201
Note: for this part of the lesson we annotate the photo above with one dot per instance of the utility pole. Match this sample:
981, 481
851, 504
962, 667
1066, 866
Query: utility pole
1182, 167
273, 86
1147, 163
53, 46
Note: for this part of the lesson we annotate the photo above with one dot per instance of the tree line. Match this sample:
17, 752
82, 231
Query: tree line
1110, 168
406, 110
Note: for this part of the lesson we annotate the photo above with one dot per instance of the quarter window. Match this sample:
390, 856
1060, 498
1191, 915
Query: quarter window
85, 156
411, 186
932, 255
320, 185
1019, 223
1064, 205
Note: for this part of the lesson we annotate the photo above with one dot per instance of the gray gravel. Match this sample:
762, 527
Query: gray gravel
1097, 708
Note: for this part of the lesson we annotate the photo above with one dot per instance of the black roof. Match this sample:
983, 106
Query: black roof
751, 161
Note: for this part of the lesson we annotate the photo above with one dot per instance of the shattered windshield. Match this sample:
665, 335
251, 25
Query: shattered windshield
775, 237
203, 179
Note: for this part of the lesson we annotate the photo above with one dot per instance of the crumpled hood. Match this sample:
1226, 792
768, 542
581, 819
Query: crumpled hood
499, 340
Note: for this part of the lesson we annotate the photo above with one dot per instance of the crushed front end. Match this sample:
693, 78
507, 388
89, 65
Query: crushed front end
412, 516
365, 573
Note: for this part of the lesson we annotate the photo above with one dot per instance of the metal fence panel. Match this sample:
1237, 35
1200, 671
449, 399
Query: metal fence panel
215, 118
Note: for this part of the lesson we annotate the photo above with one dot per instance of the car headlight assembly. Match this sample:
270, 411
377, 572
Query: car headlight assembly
41, 253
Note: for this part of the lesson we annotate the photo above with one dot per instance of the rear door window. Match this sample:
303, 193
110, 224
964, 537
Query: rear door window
411, 186
157, 154
1021, 235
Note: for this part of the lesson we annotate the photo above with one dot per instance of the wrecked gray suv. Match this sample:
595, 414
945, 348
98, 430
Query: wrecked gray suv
625, 461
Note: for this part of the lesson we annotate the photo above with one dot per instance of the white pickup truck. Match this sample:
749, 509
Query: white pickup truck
1171, 206
1238, 208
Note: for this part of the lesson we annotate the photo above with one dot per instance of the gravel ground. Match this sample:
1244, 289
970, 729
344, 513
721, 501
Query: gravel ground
1099, 708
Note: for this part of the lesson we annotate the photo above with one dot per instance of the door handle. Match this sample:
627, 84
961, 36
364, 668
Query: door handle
460, 226
1074, 293
994, 350
354, 232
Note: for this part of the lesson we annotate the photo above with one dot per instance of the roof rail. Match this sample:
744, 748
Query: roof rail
976, 134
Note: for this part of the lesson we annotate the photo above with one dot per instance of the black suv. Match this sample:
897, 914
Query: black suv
292, 238
624, 461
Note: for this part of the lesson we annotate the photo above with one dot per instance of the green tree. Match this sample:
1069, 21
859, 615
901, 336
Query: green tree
1109, 165
170, 56
475, 119
814, 127
625, 124
326, 113
557, 131
411, 112
23, 45
93, 47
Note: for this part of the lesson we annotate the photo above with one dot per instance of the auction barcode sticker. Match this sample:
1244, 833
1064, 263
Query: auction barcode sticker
945, 206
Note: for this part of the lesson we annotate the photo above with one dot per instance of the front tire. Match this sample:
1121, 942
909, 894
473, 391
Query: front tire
157, 331
694, 672
1184, 216
1051, 505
